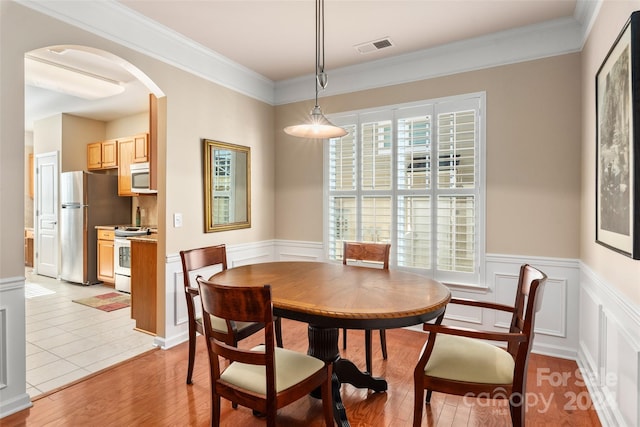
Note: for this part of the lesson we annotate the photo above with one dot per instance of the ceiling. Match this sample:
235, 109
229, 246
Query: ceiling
275, 38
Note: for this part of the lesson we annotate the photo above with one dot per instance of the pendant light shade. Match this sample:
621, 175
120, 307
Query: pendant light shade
318, 126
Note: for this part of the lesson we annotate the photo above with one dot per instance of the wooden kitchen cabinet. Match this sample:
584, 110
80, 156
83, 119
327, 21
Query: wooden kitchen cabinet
109, 154
140, 148
144, 284
94, 156
125, 158
31, 175
28, 247
133, 149
106, 271
102, 155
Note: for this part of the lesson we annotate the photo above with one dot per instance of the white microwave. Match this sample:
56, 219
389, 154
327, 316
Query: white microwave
141, 178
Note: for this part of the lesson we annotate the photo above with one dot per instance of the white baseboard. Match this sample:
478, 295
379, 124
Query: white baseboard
15, 404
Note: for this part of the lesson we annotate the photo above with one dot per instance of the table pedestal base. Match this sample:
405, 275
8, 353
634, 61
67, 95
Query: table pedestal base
323, 344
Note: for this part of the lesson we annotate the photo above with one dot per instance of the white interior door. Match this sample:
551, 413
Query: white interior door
46, 220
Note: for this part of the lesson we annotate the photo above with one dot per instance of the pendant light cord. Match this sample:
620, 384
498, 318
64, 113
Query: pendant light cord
318, 126
321, 78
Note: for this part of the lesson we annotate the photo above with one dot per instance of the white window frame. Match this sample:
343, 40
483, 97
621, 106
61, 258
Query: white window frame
394, 112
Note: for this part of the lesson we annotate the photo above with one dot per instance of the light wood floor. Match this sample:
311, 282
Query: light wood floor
150, 390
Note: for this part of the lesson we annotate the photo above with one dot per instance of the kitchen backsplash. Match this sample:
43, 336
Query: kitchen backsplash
148, 209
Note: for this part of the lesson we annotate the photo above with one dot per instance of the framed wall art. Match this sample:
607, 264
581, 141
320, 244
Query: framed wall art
618, 143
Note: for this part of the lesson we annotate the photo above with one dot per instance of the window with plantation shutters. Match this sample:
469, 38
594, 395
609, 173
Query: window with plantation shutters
411, 175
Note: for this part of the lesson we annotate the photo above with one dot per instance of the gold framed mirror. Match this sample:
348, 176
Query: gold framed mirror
227, 186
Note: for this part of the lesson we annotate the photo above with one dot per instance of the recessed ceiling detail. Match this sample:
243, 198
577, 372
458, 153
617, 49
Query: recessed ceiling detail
64, 79
374, 46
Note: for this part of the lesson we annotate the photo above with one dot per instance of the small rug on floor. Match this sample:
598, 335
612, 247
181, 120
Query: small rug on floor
31, 290
106, 302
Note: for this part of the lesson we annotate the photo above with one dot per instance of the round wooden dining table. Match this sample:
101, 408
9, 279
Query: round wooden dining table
330, 296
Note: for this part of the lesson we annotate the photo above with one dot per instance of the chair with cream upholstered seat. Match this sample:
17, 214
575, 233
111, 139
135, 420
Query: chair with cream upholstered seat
462, 362
212, 257
264, 378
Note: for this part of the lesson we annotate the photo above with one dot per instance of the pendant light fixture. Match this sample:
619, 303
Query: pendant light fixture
318, 126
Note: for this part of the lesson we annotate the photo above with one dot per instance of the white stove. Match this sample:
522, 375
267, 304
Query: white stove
131, 231
122, 255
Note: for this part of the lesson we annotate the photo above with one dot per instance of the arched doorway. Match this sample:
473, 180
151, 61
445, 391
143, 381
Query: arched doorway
75, 95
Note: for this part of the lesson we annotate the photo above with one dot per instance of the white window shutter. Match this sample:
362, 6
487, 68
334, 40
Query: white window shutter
409, 175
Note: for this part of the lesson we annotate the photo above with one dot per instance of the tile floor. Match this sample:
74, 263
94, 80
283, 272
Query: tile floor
66, 340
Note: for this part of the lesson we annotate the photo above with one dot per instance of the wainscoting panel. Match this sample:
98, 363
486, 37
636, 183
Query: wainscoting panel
464, 314
287, 250
621, 368
505, 290
13, 395
3, 347
554, 302
175, 324
556, 323
609, 351
253, 258
180, 312
176, 321
592, 320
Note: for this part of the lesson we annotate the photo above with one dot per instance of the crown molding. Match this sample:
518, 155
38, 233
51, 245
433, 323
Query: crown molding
115, 22
548, 39
586, 13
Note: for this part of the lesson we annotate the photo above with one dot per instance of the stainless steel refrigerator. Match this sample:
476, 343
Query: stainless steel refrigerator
87, 199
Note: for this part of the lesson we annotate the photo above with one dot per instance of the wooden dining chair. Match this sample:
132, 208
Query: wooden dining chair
372, 254
197, 259
461, 362
264, 378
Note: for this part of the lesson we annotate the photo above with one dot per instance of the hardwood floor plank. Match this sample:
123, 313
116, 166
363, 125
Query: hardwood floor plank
151, 390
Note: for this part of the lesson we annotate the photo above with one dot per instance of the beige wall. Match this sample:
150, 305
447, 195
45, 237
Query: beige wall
11, 148
618, 271
533, 155
198, 109
47, 134
76, 133
69, 135
127, 126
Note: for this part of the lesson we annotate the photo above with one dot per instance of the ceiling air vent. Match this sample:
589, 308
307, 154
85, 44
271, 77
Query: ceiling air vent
375, 45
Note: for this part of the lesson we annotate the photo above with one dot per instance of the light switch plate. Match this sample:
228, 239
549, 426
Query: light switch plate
177, 220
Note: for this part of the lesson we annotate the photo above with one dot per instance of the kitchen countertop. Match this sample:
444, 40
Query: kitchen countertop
106, 227
152, 228
150, 238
